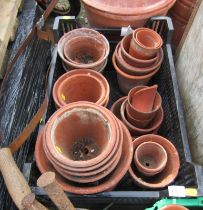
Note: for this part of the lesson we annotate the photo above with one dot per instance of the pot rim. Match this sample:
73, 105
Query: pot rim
173, 158
100, 101
150, 170
75, 38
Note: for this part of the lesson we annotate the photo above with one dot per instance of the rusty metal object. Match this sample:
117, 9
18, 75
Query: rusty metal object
48, 182
30, 203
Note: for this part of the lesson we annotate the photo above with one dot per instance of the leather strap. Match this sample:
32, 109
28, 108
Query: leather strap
36, 31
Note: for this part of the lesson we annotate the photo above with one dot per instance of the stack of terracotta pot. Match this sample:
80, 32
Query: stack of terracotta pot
155, 163
81, 85
83, 143
180, 14
137, 58
141, 111
83, 49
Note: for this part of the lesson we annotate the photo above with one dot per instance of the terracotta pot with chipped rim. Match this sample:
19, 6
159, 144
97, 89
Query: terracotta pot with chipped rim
95, 74
152, 127
81, 87
174, 207
84, 50
125, 45
150, 158
121, 13
83, 32
104, 185
145, 43
136, 114
126, 81
93, 127
133, 70
144, 99
170, 171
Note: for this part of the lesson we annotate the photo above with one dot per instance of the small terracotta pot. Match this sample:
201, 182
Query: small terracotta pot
174, 207
105, 185
153, 127
143, 100
125, 45
83, 32
150, 158
170, 171
117, 106
145, 43
127, 82
135, 122
84, 50
82, 87
133, 70
87, 72
139, 115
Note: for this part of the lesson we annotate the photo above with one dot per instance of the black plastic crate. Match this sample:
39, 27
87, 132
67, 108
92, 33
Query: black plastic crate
173, 127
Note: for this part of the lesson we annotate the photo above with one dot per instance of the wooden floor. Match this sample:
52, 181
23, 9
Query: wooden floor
8, 25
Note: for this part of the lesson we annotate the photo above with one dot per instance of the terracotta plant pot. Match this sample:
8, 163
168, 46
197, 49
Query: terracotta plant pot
83, 32
135, 122
84, 50
81, 88
121, 13
96, 77
145, 43
153, 126
174, 207
127, 81
125, 45
143, 100
107, 184
170, 171
150, 158
139, 114
137, 71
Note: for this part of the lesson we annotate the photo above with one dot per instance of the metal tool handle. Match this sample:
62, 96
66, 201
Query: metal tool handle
14, 180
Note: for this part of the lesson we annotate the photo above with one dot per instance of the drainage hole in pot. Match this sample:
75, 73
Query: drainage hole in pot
85, 59
84, 149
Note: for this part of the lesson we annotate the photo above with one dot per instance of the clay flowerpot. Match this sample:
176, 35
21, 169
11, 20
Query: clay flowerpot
107, 184
117, 106
138, 112
121, 13
81, 88
83, 32
87, 91
174, 207
125, 45
84, 50
133, 70
167, 175
152, 127
145, 43
143, 100
150, 158
127, 81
